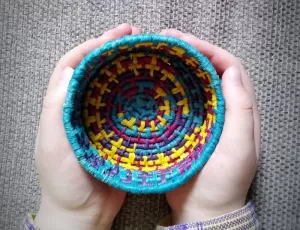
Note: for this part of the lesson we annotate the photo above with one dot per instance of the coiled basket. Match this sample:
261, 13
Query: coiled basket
144, 113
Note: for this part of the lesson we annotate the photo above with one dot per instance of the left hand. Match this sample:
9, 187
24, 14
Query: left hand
71, 198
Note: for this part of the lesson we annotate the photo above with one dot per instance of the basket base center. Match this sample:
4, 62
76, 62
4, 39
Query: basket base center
141, 106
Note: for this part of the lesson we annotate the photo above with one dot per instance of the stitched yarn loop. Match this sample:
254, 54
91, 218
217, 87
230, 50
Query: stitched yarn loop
144, 113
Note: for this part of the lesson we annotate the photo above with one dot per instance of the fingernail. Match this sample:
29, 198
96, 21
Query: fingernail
235, 76
189, 38
188, 35
66, 76
163, 32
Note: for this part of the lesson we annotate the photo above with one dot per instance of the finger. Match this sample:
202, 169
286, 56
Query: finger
74, 56
238, 128
136, 30
256, 128
221, 59
51, 126
172, 32
54, 100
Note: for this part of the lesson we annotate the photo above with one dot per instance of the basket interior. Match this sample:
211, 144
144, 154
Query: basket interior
144, 109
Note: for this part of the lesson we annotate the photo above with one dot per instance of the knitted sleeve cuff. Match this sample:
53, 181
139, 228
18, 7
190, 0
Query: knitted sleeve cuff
244, 218
28, 223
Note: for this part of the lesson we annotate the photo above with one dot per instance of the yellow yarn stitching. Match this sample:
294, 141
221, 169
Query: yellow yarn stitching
160, 93
178, 89
142, 126
177, 51
153, 127
163, 121
166, 107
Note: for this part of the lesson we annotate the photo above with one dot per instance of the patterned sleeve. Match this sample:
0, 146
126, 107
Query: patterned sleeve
28, 223
244, 218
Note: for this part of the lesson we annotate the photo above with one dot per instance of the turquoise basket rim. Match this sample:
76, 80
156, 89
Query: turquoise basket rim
133, 187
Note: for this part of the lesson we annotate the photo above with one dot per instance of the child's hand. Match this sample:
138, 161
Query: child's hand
223, 183
71, 198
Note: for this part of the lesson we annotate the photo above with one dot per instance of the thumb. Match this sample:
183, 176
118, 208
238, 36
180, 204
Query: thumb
56, 94
51, 125
238, 128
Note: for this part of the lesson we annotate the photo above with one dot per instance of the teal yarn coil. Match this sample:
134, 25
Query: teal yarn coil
144, 113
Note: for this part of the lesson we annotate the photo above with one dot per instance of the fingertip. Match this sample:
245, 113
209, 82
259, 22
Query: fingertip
235, 76
124, 26
226, 78
135, 30
189, 38
235, 93
68, 70
119, 31
163, 32
56, 94
172, 32
65, 78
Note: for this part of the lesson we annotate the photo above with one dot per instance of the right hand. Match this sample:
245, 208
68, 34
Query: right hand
222, 185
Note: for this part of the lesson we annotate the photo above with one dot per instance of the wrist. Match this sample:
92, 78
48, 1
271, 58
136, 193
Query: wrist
51, 216
203, 212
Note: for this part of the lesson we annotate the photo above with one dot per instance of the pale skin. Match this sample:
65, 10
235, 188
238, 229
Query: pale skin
73, 199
